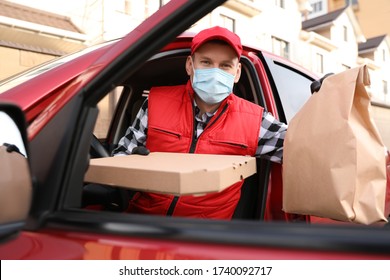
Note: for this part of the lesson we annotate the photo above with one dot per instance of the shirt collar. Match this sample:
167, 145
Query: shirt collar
205, 115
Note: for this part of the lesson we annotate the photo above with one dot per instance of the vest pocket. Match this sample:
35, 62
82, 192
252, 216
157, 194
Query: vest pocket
228, 148
165, 132
229, 144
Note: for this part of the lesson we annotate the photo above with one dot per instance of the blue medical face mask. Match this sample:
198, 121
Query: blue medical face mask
212, 85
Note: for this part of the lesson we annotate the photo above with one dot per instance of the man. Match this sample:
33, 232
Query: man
203, 116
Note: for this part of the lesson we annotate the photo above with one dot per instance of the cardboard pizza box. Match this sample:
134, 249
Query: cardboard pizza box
171, 173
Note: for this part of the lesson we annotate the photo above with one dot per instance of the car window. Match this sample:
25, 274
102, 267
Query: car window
119, 108
165, 68
293, 87
106, 112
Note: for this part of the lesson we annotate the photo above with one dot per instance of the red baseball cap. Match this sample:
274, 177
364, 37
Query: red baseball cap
217, 33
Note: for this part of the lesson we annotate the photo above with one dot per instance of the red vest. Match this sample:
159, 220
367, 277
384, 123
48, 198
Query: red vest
233, 130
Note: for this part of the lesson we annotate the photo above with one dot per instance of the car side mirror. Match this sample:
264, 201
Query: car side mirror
15, 175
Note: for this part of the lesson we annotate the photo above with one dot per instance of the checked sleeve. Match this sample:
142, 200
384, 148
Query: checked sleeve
136, 134
271, 138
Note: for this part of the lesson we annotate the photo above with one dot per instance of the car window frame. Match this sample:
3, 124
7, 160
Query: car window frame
273, 67
60, 183
253, 92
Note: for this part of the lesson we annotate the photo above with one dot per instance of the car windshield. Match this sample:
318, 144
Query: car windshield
24, 76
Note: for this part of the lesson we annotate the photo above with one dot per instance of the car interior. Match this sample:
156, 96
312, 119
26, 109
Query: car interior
168, 68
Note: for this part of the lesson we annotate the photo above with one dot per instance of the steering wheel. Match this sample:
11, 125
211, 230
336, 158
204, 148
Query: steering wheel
97, 150
110, 198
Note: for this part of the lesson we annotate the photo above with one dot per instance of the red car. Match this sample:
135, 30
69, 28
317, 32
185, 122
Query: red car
61, 101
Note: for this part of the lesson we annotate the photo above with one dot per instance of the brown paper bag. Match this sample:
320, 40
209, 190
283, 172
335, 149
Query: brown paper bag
334, 158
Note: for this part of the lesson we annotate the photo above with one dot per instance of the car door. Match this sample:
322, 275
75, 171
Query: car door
283, 88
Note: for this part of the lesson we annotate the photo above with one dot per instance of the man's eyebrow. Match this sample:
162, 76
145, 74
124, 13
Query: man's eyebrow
209, 58
202, 56
228, 61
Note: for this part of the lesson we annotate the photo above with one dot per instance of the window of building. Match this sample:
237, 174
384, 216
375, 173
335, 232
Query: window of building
351, 2
317, 7
280, 47
385, 89
319, 63
148, 8
151, 6
280, 3
228, 22
345, 33
383, 54
127, 7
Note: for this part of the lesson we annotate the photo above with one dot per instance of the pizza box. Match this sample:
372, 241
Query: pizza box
171, 173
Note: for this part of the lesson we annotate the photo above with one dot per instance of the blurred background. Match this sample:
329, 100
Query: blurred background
321, 35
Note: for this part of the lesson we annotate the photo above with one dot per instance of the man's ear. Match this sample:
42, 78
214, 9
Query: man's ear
238, 73
189, 66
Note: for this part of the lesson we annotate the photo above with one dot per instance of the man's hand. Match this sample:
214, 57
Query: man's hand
316, 85
141, 150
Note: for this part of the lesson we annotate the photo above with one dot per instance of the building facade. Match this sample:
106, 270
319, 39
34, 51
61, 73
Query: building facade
29, 37
374, 51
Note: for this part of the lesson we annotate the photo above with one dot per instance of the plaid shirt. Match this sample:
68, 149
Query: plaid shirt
270, 144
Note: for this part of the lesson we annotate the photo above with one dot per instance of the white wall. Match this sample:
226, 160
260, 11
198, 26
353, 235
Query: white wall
284, 24
347, 51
